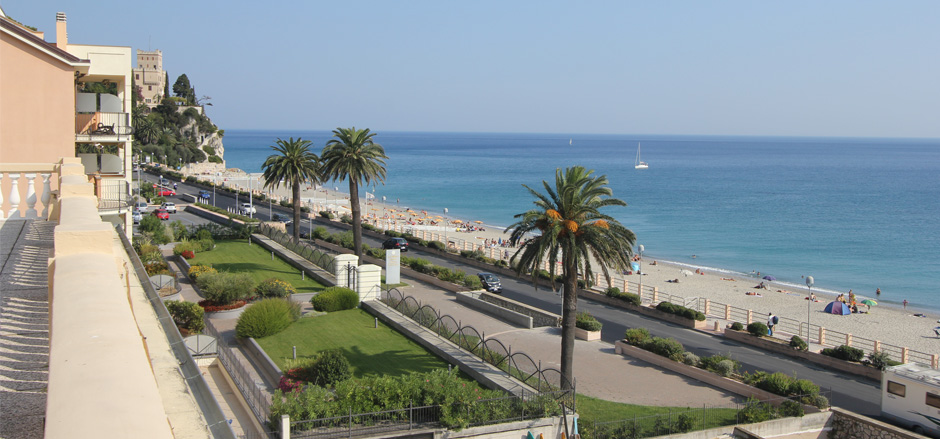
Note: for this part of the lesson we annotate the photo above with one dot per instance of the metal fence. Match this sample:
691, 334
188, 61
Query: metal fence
480, 412
312, 253
678, 420
491, 350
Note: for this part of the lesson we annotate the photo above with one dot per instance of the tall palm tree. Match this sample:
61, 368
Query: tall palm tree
567, 223
353, 155
293, 164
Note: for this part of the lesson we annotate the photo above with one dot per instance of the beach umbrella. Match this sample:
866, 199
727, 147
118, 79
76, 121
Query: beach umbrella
686, 272
770, 278
479, 222
869, 302
838, 308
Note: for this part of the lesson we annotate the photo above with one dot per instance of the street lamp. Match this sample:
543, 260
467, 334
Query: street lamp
446, 241
809, 286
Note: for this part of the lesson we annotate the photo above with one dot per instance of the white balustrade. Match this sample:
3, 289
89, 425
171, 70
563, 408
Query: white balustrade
24, 196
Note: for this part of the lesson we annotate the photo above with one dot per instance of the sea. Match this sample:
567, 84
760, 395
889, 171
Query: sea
853, 213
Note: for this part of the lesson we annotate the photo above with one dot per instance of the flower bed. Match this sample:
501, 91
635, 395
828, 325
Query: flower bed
210, 306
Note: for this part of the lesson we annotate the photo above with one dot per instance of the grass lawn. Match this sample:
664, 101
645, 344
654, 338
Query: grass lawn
238, 256
597, 410
371, 351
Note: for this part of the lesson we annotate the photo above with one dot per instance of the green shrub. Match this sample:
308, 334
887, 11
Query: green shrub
274, 287
436, 245
335, 299
755, 411
188, 315
737, 326
879, 360
777, 383
267, 317
196, 270
680, 310
803, 388
225, 288
330, 368
725, 368
797, 343
757, 329
153, 227
472, 282
184, 245
712, 363
666, 347
612, 292
845, 352
791, 408
818, 401
320, 233
636, 336
690, 359
346, 219
584, 320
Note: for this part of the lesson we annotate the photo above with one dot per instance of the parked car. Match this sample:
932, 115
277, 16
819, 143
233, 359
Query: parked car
169, 207
281, 218
490, 282
137, 216
205, 194
141, 207
165, 192
247, 209
393, 243
162, 214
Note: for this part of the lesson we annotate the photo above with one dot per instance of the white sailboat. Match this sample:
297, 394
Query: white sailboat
639, 164
569, 141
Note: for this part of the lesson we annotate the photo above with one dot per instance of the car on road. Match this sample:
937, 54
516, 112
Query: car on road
490, 282
141, 207
281, 218
205, 194
395, 243
247, 209
164, 182
169, 207
162, 214
137, 216
165, 192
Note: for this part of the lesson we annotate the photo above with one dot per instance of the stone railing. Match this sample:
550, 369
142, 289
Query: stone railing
26, 190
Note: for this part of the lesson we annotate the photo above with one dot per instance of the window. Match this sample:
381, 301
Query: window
897, 389
149, 88
148, 101
137, 76
933, 400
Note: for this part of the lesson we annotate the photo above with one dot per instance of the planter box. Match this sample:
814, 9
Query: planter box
702, 375
779, 347
645, 310
228, 314
583, 334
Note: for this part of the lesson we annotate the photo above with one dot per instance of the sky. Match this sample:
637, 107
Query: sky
800, 68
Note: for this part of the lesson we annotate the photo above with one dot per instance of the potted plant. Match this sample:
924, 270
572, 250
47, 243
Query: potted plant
587, 327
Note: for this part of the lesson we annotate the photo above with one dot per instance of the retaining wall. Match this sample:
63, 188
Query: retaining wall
539, 317
645, 310
473, 300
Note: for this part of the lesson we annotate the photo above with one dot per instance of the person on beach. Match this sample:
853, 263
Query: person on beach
904, 303
877, 291
771, 321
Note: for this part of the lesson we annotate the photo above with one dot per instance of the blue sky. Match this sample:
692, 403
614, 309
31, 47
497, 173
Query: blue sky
802, 68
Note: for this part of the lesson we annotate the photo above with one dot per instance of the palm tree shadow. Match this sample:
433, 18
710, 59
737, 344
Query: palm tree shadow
393, 363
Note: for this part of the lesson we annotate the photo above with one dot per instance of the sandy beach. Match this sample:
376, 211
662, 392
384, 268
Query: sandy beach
884, 323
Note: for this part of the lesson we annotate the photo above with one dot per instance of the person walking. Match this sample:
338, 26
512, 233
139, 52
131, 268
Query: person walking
771, 321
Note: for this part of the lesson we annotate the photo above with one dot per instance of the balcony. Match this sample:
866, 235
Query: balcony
100, 117
113, 195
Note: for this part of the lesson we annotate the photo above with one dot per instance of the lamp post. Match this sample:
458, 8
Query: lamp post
446, 241
384, 213
640, 249
809, 286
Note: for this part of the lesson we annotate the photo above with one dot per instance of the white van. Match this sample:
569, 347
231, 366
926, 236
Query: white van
910, 396
141, 207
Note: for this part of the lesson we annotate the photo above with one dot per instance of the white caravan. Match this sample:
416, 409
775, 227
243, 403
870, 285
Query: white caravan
910, 396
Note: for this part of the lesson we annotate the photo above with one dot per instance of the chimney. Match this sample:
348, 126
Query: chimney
61, 36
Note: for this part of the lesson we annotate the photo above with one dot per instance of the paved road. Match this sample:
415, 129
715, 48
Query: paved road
849, 392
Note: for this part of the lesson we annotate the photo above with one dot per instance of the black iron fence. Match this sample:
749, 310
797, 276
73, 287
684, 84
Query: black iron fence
312, 253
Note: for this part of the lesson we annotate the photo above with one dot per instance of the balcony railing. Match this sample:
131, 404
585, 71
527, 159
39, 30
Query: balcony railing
100, 125
25, 190
113, 194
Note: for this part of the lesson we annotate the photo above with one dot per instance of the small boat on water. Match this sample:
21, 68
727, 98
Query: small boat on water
639, 164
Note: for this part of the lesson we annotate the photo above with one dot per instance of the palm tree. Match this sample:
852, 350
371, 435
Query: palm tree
293, 164
146, 130
567, 223
352, 155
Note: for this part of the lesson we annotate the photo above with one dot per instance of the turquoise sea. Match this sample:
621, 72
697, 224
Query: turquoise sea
853, 213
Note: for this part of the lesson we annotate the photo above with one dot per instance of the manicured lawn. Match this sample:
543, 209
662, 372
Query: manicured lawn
597, 410
238, 256
371, 351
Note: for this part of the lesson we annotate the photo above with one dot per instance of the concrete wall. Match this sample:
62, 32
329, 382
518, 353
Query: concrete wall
539, 317
473, 300
97, 354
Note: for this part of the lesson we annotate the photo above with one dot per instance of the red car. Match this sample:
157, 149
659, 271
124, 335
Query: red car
162, 214
166, 192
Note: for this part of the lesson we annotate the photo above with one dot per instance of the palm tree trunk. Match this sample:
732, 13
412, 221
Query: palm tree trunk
568, 317
295, 200
356, 218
